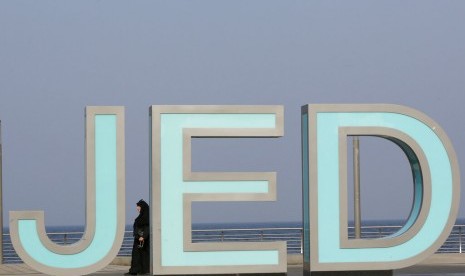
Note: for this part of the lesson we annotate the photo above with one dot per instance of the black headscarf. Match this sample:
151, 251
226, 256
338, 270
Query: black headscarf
144, 218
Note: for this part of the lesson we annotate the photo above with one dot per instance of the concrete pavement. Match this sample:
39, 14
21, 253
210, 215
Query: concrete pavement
293, 270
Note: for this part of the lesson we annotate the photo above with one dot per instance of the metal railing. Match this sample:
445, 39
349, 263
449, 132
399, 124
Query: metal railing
61, 238
292, 236
453, 244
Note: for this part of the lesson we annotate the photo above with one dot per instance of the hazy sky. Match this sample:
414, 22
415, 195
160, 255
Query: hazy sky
56, 57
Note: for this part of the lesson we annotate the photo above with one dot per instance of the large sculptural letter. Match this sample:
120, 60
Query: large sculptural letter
175, 187
105, 205
435, 179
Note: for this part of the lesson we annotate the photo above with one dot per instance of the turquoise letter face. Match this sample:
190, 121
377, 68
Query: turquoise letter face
175, 187
436, 184
105, 206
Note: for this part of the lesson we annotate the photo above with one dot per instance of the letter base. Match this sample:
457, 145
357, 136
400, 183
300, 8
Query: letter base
350, 273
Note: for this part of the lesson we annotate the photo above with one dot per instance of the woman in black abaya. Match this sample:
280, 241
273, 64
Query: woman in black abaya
140, 262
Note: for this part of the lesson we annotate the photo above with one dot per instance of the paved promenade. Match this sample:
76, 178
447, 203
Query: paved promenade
293, 270
436, 265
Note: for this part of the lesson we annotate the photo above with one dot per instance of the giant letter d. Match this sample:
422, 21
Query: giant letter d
435, 178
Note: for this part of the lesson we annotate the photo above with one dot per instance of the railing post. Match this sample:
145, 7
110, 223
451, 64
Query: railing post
65, 238
222, 236
301, 241
357, 204
460, 239
1, 198
261, 235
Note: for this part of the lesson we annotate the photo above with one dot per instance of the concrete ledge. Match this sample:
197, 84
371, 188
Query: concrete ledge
445, 258
126, 261
350, 273
439, 258
292, 259
295, 259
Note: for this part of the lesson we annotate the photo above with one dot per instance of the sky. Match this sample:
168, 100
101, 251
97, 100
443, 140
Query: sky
57, 57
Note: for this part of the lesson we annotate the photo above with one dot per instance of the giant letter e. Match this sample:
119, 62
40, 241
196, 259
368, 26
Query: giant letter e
435, 178
175, 187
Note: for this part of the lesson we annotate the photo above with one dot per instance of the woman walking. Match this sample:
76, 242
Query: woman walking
140, 262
